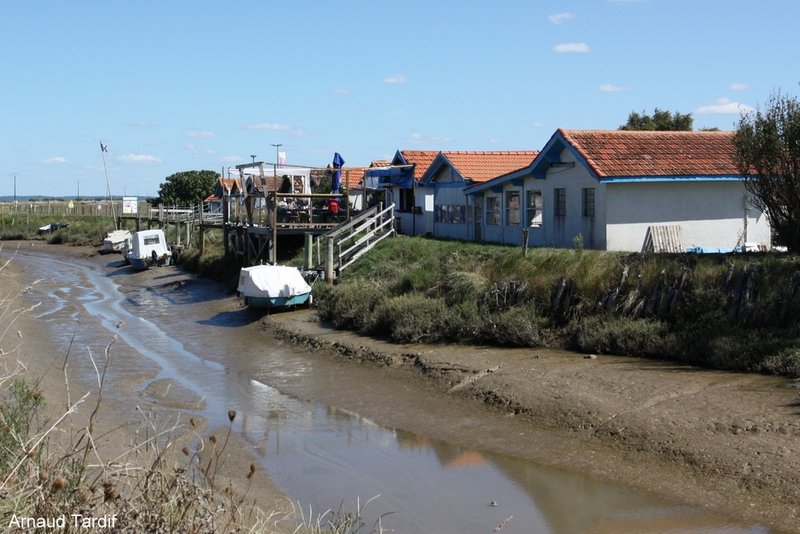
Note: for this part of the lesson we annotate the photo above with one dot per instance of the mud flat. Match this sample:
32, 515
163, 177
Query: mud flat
722, 441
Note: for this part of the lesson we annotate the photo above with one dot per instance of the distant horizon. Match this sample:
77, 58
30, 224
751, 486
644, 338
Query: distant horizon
39, 198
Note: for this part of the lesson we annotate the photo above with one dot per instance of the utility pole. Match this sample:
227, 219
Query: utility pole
15, 187
277, 156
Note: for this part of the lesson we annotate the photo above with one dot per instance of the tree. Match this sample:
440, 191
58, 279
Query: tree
662, 121
768, 155
188, 187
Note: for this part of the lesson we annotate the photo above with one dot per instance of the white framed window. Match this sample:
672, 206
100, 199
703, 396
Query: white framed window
512, 208
533, 208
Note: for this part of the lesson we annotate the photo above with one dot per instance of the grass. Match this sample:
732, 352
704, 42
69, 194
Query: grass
736, 312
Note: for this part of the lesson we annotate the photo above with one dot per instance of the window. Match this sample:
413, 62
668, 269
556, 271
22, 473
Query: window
587, 202
512, 208
478, 210
151, 240
533, 205
453, 214
492, 210
406, 200
560, 207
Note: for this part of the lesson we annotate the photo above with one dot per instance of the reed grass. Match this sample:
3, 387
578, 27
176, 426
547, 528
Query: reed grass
682, 307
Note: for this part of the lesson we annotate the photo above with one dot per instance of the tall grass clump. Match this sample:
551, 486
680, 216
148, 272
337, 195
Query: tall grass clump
723, 311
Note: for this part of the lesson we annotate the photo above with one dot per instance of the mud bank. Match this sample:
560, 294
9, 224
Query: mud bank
722, 441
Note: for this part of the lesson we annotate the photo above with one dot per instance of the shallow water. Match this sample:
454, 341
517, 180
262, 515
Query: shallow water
173, 327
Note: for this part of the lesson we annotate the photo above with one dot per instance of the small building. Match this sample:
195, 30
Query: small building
450, 173
230, 187
400, 181
624, 191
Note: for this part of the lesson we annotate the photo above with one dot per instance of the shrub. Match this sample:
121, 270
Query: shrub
785, 363
621, 335
518, 326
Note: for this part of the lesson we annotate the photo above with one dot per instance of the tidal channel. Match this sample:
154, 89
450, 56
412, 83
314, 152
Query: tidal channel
176, 329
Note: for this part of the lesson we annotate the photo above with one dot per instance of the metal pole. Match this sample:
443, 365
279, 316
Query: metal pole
277, 157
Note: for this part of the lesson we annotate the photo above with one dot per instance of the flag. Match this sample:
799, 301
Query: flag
281, 158
103, 148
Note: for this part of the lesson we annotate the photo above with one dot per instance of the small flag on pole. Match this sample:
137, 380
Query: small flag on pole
103, 148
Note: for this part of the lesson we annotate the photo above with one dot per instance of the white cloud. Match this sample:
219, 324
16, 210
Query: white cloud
611, 88
231, 159
494, 141
139, 159
560, 18
537, 124
201, 134
55, 160
395, 79
199, 151
571, 47
739, 86
341, 91
724, 106
266, 126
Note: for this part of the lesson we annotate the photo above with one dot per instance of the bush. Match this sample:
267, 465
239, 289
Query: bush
621, 335
519, 326
785, 363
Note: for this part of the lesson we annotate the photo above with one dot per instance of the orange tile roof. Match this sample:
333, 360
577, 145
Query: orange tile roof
613, 153
421, 159
481, 166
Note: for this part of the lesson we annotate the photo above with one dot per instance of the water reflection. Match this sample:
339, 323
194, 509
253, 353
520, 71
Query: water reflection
323, 455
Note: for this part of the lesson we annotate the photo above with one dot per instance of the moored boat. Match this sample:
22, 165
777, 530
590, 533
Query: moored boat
147, 248
273, 286
115, 241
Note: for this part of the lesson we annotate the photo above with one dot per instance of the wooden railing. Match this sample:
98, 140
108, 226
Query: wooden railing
353, 238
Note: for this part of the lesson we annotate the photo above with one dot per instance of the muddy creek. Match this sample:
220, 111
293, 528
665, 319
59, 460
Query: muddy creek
188, 347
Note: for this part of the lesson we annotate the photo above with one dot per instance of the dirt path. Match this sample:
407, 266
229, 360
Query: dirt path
722, 441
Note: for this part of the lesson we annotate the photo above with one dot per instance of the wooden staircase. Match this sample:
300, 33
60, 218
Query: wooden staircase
340, 247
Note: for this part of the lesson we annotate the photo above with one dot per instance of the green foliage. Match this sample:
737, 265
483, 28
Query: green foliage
661, 120
768, 154
425, 290
18, 409
186, 188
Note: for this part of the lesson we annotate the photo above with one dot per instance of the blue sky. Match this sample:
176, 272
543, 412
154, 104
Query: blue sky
179, 85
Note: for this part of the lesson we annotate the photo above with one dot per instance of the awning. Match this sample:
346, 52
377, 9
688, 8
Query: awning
391, 176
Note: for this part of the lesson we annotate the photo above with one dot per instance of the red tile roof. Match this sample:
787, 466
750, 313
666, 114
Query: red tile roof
481, 166
421, 159
613, 153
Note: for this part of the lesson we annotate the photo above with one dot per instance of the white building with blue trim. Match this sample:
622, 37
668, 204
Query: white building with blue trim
624, 191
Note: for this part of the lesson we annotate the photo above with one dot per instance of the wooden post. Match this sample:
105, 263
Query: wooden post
225, 199
525, 241
309, 250
274, 223
329, 262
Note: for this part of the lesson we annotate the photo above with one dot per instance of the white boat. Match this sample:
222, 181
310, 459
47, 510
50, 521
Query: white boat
115, 241
147, 248
273, 286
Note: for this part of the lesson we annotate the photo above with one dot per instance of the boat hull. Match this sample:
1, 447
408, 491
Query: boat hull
277, 302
